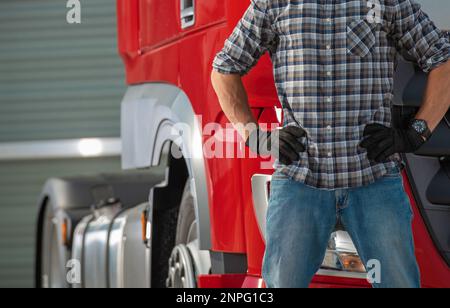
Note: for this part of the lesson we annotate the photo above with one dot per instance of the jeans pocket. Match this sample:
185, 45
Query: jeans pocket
393, 172
360, 38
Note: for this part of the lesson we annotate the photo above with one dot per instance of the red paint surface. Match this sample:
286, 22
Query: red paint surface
253, 282
228, 281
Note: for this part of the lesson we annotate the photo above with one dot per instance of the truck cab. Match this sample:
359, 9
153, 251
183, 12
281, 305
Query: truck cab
177, 217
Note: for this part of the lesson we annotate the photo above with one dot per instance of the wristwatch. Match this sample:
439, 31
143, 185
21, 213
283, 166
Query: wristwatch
421, 127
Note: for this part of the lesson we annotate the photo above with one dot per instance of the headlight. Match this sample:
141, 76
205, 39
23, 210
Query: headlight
342, 255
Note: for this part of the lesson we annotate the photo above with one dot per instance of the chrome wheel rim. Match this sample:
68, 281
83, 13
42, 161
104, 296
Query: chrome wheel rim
181, 269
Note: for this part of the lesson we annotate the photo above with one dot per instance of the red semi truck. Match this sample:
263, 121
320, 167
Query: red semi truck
184, 219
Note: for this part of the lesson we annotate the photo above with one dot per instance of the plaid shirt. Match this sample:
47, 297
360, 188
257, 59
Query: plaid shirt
334, 64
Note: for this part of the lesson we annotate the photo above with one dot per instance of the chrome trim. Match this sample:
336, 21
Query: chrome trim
325, 272
59, 149
343, 242
260, 194
187, 14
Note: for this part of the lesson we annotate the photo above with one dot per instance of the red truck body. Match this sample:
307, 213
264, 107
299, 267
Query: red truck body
155, 48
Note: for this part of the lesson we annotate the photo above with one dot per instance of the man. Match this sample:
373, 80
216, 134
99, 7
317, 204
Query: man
338, 156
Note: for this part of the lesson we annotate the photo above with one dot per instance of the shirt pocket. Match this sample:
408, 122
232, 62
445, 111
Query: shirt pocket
360, 38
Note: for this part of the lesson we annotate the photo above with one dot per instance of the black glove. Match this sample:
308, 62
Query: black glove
382, 142
283, 144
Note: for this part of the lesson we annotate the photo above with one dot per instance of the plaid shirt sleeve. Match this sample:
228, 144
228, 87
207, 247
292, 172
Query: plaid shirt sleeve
417, 35
251, 38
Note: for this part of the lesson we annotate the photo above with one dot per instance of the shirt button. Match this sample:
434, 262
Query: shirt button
328, 20
329, 74
330, 154
329, 99
329, 127
328, 47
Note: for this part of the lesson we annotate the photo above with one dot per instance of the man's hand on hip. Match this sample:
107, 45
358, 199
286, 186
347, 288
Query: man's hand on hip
381, 141
283, 144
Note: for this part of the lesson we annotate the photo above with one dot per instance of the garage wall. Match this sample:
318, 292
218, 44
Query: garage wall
57, 81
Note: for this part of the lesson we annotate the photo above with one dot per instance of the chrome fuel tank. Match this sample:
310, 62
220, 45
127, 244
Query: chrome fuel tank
90, 245
128, 252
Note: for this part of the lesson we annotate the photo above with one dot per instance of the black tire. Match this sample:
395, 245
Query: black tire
162, 246
171, 228
186, 217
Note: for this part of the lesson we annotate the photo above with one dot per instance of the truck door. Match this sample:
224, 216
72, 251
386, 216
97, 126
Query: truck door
158, 22
162, 20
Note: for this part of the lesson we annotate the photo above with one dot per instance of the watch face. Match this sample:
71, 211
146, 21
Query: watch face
419, 126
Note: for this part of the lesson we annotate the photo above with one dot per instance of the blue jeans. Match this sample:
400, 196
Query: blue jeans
300, 220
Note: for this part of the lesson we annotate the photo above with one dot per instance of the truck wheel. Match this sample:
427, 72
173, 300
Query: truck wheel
182, 265
187, 223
